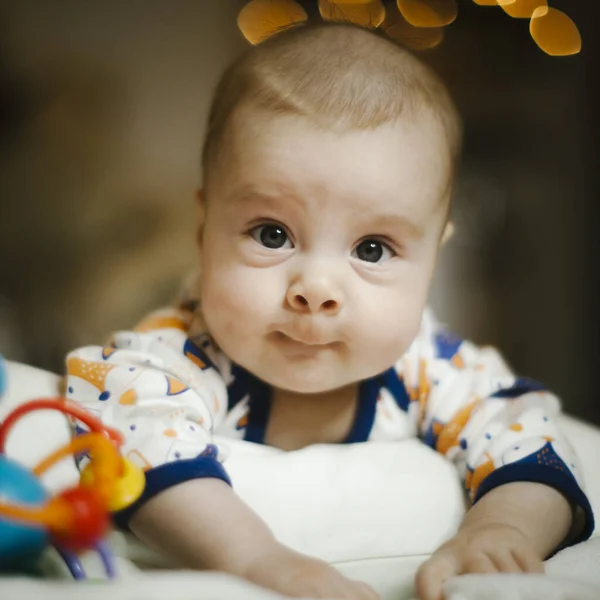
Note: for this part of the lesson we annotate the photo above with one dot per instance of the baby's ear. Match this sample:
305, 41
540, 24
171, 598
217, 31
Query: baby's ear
200, 214
448, 232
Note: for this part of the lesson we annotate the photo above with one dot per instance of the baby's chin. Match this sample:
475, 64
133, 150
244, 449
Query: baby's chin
306, 380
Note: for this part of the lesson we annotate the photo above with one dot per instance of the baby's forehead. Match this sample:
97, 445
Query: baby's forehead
254, 126
397, 168
335, 77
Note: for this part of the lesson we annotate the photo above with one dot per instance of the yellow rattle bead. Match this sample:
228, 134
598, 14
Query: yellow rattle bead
123, 490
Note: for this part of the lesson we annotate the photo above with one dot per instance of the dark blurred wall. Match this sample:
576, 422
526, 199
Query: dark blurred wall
103, 112
522, 271
589, 15
103, 106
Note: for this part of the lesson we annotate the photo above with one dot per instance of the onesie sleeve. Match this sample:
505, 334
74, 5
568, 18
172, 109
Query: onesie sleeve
162, 392
494, 426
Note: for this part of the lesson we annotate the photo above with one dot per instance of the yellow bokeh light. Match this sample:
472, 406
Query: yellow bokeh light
418, 24
554, 32
260, 19
414, 38
366, 14
428, 13
522, 9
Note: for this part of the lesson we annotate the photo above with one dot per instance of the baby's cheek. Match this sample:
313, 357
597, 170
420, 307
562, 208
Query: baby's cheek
234, 301
392, 325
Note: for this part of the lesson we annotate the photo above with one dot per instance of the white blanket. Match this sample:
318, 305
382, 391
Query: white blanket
573, 574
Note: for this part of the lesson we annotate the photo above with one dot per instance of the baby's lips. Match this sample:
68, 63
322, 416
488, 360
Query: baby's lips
307, 337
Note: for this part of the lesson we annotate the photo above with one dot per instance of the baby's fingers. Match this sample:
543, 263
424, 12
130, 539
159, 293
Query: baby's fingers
505, 562
528, 562
480, 564
431, 576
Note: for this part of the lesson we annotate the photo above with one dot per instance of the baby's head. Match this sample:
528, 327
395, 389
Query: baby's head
328, 168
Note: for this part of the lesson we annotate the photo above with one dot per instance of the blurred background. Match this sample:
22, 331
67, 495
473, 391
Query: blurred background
101, 118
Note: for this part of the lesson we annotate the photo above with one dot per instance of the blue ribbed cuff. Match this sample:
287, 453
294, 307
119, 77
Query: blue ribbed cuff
169, 475
559, 480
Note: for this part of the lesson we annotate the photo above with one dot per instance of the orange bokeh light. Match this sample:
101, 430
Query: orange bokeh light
418, 24
370, 13
521, 9
554, 32
414, 38
428, 13
260, 19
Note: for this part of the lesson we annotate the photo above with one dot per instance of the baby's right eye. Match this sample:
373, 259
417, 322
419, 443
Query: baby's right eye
271, 236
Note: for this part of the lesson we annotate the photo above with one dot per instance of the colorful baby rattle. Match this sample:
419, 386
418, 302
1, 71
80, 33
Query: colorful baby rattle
78, 518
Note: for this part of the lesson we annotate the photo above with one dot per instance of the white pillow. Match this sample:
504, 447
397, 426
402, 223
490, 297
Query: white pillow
351, 502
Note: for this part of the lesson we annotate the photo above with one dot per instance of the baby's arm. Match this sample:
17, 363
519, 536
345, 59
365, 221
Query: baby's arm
519, 470
217, 531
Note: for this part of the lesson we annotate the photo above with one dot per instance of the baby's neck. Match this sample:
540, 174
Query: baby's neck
299, 420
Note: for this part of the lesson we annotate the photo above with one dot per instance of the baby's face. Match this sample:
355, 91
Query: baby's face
318, 248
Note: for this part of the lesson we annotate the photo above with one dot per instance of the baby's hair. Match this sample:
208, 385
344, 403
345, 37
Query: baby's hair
339, 76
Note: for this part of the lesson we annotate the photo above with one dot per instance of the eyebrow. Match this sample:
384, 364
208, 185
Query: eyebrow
375, 220
395, 221
245, 194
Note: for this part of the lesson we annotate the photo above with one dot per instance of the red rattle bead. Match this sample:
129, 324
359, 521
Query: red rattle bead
89, 519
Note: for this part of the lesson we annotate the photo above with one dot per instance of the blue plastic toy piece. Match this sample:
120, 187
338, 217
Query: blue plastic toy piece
20, 545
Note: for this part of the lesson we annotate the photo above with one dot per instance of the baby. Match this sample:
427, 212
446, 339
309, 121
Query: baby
329, 164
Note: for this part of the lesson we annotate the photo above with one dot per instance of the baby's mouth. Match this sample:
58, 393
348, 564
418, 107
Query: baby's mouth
305, 340
302, 344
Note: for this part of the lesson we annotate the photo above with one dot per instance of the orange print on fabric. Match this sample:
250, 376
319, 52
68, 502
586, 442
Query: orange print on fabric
424, 387
108, 352
457, 361
128, 398
450, 433
174, 386
476, 476
154, 322
197, 361
92, 372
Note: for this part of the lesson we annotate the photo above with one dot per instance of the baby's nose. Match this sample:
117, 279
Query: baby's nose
313, 297
301, 303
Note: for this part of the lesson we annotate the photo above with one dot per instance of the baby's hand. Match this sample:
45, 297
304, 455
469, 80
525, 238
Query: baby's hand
296, 576
491, 548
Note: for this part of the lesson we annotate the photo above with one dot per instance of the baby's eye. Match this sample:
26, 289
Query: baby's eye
373, 251
271, 236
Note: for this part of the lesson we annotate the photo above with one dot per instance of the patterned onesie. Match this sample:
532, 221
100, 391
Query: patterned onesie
168, 389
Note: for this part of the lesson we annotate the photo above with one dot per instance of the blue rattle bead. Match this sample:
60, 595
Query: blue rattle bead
20, 544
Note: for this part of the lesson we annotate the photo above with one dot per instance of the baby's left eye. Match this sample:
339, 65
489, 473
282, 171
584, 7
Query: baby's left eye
373, 251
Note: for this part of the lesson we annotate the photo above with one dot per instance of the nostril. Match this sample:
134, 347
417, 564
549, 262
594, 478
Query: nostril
301, 300
329, 304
